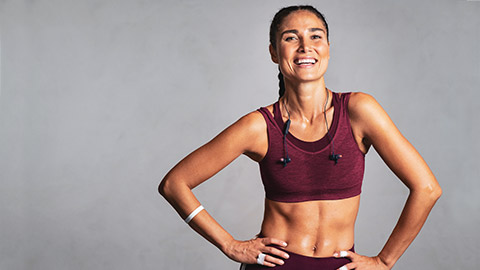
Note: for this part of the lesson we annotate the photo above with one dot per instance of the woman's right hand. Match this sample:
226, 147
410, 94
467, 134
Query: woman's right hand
247, 251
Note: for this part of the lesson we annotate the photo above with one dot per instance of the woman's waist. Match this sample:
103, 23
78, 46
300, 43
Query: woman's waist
312, 228
312, 242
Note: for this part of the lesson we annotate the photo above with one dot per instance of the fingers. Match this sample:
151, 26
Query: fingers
273, 256
347, 266
345, 254
261, 258
362, 262
273, 241
276, 252
271, 261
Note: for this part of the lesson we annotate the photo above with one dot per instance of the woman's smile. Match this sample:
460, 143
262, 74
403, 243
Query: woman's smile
302, 49
305, 62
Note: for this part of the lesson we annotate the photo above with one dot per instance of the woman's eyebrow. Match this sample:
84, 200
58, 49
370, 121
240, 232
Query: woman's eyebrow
290, 31
316, 29
294, 31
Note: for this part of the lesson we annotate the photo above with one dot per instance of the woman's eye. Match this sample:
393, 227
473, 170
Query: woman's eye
289, 38
316, 36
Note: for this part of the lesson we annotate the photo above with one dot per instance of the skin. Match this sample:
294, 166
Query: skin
312, 228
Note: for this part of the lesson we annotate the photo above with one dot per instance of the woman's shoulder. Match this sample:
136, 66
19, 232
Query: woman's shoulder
269, 108
251, 130
254, 121
361, 104
367, 114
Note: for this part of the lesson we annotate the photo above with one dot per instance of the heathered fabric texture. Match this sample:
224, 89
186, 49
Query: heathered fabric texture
311, 175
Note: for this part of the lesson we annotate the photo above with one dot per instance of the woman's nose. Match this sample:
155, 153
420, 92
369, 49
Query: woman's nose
304, 46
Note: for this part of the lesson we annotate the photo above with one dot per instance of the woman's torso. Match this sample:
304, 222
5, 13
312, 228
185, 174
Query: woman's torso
312, 227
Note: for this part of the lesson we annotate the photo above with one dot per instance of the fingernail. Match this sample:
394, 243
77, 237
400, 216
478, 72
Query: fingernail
286, 256
343, 268
343, 254
335, 254
284, 244
282, 262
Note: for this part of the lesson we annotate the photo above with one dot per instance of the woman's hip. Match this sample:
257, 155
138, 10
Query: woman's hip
301, 262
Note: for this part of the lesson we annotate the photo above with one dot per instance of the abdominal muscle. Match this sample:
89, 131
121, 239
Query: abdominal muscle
312, 228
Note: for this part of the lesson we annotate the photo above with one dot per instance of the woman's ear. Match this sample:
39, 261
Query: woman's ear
329, 50
273, 54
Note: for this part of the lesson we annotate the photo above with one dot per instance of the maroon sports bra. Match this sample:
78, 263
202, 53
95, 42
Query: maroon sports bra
311, 175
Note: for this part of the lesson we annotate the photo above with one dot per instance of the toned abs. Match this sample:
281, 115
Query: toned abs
312, 228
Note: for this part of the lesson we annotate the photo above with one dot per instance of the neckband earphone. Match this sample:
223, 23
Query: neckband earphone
286, 159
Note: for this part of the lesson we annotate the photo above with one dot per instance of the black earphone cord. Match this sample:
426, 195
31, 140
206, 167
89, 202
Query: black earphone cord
286, 159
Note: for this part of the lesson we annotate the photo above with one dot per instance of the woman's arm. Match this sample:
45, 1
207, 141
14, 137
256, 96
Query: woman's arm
374, 127
246, 136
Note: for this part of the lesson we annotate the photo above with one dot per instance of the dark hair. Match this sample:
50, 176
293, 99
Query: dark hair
275, 25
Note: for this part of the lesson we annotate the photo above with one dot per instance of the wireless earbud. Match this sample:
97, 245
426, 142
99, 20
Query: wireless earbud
285, 161
335, 157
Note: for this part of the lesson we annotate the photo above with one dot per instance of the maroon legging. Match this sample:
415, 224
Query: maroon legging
301, 262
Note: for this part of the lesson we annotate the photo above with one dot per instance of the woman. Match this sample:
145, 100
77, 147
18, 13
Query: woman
310, 146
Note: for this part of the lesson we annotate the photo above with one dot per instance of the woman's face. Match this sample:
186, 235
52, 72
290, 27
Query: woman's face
302, 49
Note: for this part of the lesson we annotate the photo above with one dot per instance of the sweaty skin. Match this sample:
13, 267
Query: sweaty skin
311, 228
314, 228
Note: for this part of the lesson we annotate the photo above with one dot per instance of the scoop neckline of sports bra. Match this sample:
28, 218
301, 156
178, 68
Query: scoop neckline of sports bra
311, 146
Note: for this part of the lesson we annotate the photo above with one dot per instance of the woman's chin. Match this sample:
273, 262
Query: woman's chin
309, 79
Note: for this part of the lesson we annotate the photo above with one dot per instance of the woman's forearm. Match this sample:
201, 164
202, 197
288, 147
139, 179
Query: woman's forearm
414, 215
181, 197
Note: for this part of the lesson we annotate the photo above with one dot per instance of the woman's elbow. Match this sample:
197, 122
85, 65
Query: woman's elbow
432, 192
172, 187
165, 187
436, 193
161, 188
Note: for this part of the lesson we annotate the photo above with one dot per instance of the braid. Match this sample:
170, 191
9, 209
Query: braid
281, 85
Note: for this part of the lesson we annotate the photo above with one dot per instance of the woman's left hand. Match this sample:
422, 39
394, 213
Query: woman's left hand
360, 262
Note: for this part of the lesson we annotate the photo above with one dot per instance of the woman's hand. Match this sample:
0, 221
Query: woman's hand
248, 251
360, 262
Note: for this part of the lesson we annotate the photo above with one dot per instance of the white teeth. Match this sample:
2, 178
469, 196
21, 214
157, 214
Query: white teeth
305, 61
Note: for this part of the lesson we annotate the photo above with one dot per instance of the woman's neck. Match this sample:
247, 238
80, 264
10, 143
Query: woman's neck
306, 101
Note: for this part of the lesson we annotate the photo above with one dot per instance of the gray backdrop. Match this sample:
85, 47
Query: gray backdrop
99, 99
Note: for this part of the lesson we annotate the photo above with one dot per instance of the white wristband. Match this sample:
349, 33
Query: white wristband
194, 213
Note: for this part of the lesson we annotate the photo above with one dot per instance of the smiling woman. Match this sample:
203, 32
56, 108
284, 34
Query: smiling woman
312, 193
308, 31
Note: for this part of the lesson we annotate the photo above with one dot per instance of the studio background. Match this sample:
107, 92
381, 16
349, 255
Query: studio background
99, 99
